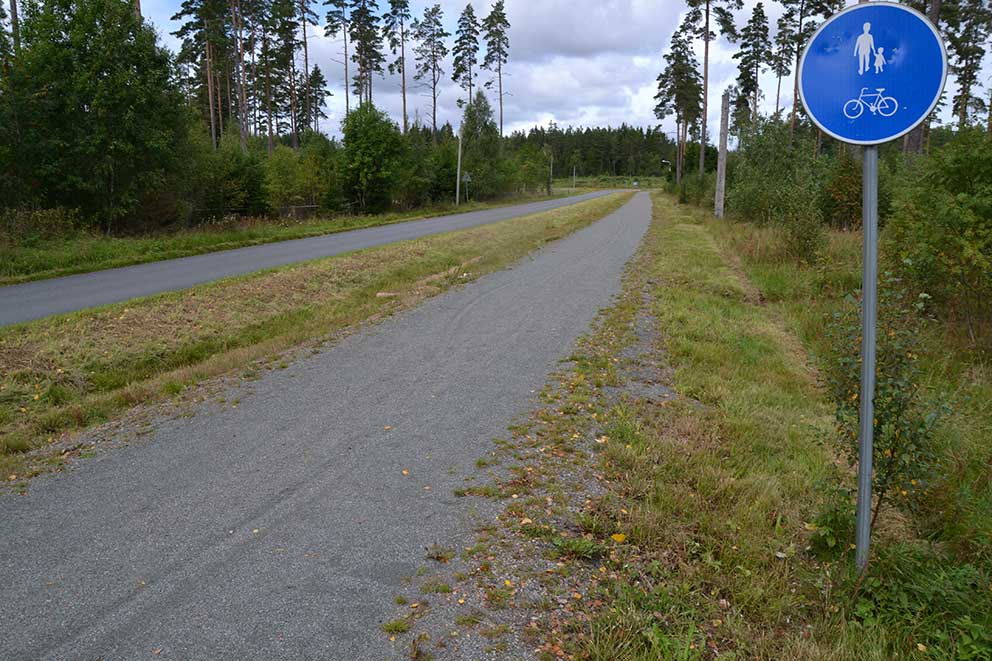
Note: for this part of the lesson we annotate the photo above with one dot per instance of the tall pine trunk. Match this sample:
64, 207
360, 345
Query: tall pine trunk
706, 93
268, 91
406, 125
778, 95
210, 92
242, 100
499, 76
347, 80
15, 27
795, 77
915, 138
306, 62
292, 104
220, 106
137, 10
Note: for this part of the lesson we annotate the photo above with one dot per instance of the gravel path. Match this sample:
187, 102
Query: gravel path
282, 527
43, 298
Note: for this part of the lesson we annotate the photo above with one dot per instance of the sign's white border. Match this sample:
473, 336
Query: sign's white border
936, 100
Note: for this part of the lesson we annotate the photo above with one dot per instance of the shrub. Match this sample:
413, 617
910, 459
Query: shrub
941, 229
375, 155
905, 465
27, 226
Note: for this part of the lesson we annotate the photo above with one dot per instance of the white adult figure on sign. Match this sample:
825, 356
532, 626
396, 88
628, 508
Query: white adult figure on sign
864, 49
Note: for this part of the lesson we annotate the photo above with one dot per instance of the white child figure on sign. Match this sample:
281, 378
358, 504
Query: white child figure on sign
880, 60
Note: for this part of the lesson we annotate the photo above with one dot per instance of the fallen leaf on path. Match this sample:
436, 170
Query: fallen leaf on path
619, 538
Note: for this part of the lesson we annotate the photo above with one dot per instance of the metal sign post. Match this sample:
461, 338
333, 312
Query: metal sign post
871, 74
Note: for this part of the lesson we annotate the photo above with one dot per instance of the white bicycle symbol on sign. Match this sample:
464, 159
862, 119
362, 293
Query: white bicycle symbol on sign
886, 106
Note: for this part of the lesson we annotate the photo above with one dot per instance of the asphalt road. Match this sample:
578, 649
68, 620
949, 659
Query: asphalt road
282, 528
44, 298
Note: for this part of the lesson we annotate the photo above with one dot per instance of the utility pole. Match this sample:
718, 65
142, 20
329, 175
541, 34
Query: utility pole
721, 164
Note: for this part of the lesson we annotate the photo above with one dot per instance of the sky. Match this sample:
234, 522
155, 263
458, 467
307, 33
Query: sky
574, 62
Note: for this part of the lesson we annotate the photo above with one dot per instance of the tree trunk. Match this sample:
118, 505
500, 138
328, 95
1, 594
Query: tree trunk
499, 75
706, 93
778, 96
210, 95
795, 74
242, 100
15, 27
268, 96
406, 125
914, 139
306, 62
347, 80
989, 128
137, 10
292, 104
220, 106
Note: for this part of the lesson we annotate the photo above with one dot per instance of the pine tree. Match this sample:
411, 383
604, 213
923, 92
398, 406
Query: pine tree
754, 54
395, 24
782, 58
680, 90
15, 26
496, 29
337, 23
969, 26
430, 53
366, 39
700, 16
315, 100
307, 17
466, 52
799, 21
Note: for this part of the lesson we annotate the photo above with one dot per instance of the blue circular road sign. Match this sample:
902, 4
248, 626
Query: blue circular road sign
872, 73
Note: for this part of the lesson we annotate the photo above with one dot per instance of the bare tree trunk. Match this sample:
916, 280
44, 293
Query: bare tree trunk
292, 105
406, 125
706, 93
220, 106
306, 62
499, 75
914, 139
137, 10
15, 27
242, 101
268, 95
795, 75
210, 96
989, 128
230, 98
347, 80
778, 96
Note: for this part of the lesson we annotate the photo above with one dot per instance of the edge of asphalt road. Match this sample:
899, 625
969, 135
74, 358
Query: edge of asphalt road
266, 530
38, 299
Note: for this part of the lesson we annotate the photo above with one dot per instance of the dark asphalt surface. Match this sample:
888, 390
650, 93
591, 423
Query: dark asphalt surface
44, 298
282, 528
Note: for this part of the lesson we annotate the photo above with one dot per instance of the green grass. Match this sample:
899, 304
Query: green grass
48, 258
69, 372
398, 626
722, 495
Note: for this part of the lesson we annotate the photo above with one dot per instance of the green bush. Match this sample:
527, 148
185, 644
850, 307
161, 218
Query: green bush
905, 463
375, 156
941, 229
28, 226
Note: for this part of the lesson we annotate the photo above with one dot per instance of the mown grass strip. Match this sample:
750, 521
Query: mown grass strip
38, 259
69, 372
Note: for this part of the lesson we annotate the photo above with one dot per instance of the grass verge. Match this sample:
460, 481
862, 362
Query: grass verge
70, 372
690, 523
49, 258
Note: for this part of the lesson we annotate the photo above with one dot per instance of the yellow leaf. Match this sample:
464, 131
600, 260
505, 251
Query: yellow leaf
525, 521
461, 601
508, 583
921, 647
406, 472
388, 427
619, 538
